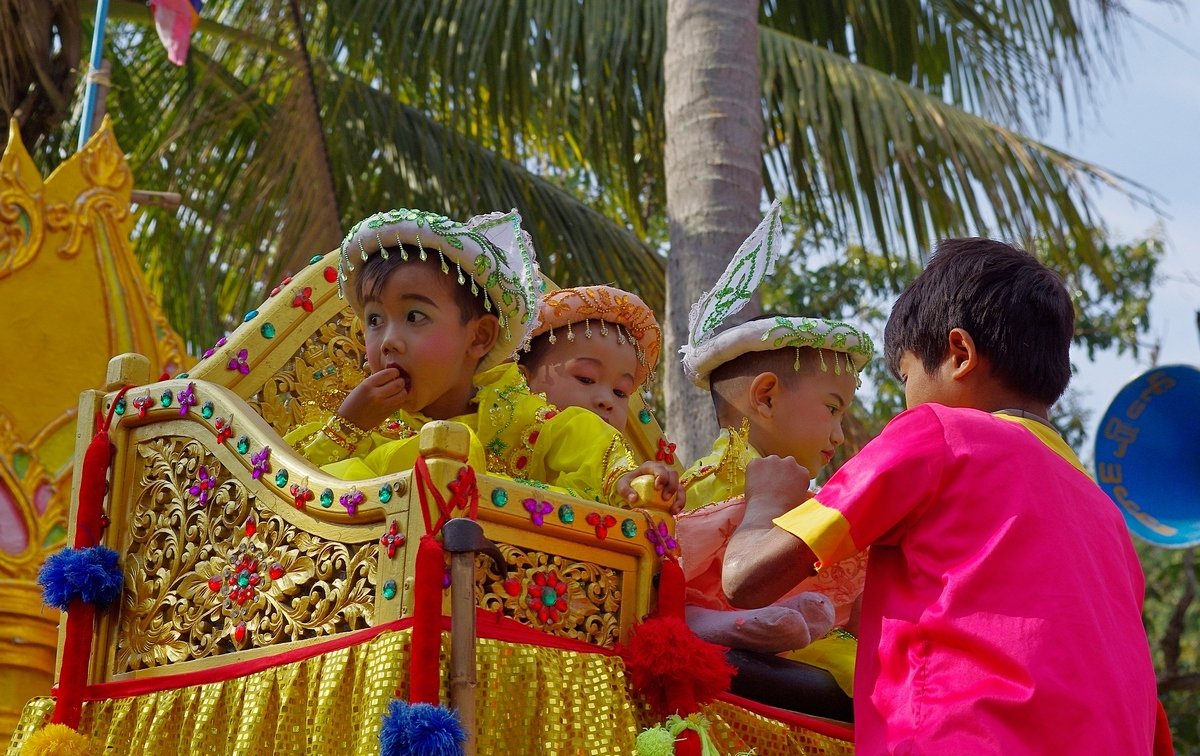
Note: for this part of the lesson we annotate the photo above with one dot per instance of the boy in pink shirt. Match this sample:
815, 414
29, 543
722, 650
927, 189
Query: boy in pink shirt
1002, 608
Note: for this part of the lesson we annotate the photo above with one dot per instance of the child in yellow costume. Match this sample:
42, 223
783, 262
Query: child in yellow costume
594, 347
444, 305
780, 386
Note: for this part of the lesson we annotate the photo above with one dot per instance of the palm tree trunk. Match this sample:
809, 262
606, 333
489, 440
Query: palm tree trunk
713, 165
325, 232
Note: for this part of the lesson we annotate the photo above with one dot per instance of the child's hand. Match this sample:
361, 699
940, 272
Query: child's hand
666, 483
371, 402
774, 486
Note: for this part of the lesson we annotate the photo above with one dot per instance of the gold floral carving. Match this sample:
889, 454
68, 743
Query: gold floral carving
203, 580
593, 606
313, 383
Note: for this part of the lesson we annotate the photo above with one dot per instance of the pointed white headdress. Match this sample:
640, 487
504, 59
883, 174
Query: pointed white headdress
707, 349
493, 251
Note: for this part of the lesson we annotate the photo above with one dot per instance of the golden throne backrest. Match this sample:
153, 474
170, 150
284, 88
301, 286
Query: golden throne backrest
296, 356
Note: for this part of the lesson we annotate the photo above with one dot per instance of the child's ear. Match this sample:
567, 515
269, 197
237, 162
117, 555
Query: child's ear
486, 331
523, 369
963, 356
764, 390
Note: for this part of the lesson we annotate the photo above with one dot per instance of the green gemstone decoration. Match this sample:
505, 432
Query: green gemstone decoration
166, 398
389, 589
318, 375
628, 528
327, 498
21, 463
250, 316
120, 408
499, 497
206, 410
281, 478
243, 444
385, 493
181, 375
566, 514
316, 259
243, 579
644, 416
267, 330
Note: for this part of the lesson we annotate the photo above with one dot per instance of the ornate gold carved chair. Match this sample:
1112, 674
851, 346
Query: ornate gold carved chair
233, 544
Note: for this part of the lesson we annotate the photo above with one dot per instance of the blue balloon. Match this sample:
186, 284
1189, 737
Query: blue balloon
1148, 455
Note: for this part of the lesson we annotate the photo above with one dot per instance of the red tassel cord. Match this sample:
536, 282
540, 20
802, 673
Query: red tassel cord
81, 616
424, 659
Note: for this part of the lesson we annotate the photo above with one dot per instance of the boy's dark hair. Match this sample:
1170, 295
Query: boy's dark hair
377, 270
539, 350
1017, 311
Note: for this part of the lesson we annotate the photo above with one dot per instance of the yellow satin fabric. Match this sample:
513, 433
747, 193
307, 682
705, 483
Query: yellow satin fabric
530, 700
572, 450
720, 474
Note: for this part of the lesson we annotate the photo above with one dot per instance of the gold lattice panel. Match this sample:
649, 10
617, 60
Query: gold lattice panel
208, 578
314, 381
536, 580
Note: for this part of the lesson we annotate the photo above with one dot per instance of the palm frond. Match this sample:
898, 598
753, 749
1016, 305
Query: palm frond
897, 164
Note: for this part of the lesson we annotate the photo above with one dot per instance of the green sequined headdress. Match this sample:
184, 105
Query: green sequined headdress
708, 346
492, 253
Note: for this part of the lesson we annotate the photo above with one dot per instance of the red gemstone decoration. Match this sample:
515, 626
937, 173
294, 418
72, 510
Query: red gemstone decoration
330, 274
392, 540
214, 583
521, 462
551, 414
276, 571
533, 437
512, 587
251, 527
239, 632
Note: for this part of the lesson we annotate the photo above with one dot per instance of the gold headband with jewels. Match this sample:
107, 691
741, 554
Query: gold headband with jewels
566, 309
708, 346
492, 251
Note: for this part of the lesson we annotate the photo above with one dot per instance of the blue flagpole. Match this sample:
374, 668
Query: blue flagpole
90, 93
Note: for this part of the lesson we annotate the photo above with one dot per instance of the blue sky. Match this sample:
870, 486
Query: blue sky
1146, 127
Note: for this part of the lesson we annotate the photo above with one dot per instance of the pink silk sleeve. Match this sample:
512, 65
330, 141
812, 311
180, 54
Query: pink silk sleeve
871, 497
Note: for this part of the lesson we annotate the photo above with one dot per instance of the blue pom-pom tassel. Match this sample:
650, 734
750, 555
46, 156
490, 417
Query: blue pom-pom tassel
89, 574
420, 730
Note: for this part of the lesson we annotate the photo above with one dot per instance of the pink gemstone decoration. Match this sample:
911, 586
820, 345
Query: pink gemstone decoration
351, 501
537, 510
261, 460
661, 538
238, 362
204, 483
187, 399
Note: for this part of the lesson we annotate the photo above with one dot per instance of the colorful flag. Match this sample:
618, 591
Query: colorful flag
175, 20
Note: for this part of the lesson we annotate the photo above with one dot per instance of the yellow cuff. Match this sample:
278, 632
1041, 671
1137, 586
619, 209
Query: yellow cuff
825, 530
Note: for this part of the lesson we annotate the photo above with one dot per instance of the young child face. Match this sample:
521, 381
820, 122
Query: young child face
806, 421
595, 374
415, 327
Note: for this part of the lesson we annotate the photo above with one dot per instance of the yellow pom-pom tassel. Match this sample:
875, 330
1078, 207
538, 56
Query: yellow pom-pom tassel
59, 740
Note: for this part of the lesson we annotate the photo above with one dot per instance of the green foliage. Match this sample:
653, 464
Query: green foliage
883, 121
1172, 616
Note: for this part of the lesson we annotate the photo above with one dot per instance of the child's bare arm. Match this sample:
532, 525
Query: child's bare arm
763, 561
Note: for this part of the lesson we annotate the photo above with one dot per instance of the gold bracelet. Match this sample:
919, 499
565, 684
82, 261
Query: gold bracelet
342, 432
